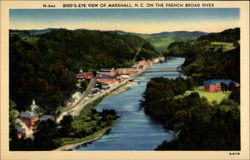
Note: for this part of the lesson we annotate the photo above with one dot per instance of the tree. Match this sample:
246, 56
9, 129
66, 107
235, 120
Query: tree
190, 83
231, 86
224, 86
13, 115
235, 95
83, 85
45, 135
65, 124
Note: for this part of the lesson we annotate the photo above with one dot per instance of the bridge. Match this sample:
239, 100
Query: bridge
162, 70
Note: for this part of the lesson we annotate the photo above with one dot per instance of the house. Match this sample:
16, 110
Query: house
126, 71
214, 85
85, 75
105, 86
76, 95
108, 73
107, 69
29, 119
70, 101
47, 117
142, 64
94, 90
108, 80
20, 132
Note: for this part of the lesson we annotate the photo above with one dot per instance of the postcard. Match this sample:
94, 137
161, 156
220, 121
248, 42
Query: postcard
124, 80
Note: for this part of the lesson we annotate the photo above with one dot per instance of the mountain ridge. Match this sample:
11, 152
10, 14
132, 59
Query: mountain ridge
164, 33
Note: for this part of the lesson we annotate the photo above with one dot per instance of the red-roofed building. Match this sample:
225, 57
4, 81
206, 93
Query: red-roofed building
29, 119
108, 80
47, 117
125, 71
86, 75
214, 85
71, 101
109, 74
143, 64
21, 132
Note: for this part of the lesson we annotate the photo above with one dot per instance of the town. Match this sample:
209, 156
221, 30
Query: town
101, 83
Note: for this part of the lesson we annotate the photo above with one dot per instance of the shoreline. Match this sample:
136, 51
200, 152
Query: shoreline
75, 110
68, 147
119, 88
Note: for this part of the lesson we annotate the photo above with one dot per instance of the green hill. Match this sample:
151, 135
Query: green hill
43, 67
163, 39
214, 56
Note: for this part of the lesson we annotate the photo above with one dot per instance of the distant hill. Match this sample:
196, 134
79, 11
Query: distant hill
159, 40
30, 33
213, 56
229, 35
162, 40
192, 35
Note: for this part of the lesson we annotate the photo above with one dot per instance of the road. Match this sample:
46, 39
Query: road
77, 107
79, 102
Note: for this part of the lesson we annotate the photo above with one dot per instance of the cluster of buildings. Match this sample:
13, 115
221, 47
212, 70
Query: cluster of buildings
215, 85
29, 119
107, 77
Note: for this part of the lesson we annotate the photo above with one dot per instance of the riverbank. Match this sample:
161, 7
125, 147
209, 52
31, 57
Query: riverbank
116, 89
122, 88
75, 142
83, 102
132, 121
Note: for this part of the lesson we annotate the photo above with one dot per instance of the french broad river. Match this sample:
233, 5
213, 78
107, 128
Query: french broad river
134, 130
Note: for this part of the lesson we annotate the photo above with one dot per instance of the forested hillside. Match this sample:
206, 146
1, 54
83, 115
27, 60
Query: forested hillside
199, 125
43, 67
163, 39
209, 56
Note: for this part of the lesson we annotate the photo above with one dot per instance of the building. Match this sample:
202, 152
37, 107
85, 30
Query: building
108, 73
77, 95
86, 75
47, 117
21, 132
142, 64
29, 119
214, 85
33, 107
107, 69
107, 80
126, 71
71, 101
105, 86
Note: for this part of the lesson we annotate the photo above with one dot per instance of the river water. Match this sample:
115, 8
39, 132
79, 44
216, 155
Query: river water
134, 130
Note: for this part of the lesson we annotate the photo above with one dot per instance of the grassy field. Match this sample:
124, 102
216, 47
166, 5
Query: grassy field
31, 40
96, 135
216, 96
226, 45
162, 42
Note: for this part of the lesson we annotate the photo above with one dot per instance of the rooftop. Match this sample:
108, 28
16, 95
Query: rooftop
45, 117
28, 115
218, 81
20, 129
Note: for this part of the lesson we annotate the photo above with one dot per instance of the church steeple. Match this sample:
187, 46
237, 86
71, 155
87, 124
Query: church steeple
33, 107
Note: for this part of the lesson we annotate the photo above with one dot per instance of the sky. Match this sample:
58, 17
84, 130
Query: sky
130, 20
